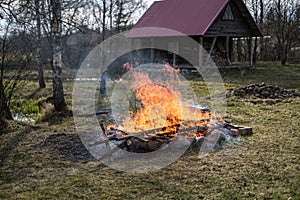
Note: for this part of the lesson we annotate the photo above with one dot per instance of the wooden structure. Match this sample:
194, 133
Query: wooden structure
212, 23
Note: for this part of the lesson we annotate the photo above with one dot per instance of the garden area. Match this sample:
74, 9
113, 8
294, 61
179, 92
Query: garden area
44, 158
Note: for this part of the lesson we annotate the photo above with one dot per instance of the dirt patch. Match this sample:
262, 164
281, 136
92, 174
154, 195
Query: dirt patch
67, 145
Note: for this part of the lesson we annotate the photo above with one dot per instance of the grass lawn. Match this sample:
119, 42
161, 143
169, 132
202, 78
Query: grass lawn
37, 161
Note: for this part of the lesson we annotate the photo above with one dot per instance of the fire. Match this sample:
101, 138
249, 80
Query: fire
161, 107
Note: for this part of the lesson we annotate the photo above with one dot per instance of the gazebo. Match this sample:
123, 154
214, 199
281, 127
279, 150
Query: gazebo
212, 23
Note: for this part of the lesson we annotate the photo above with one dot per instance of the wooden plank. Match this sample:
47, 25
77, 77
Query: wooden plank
138, 137
211, 50
245, 131
242, 130
99, 142
213, 45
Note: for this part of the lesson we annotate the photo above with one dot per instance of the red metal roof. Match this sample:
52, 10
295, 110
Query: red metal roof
190, 17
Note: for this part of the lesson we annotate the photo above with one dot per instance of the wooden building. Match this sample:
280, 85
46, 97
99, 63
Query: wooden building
212, 23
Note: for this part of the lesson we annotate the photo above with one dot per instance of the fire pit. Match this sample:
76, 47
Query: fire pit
194, 131
158, 113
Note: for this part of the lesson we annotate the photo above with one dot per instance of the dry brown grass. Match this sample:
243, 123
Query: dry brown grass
262, 166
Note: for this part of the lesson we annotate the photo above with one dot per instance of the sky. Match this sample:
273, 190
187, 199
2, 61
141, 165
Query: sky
149, 2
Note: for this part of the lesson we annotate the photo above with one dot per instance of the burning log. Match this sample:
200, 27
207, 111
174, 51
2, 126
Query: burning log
156, 104
153, 140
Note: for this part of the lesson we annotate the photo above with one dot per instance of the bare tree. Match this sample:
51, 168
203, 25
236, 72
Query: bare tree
4, 101
124, 11
283, 22
41, 78
257, 8
110, 16
56, 30
13, 60
115, 15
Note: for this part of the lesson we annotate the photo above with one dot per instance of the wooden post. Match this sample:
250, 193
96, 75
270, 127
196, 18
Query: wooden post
174, 59
151, 51
173, 46
200, 51
132, 52
231, 49
250, 51
152, 55
227, 51
213, 45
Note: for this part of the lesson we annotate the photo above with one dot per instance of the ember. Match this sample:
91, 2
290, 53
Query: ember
152, 140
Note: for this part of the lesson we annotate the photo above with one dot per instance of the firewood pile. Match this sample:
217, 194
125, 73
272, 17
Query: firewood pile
263, 91
219, 59
152, 140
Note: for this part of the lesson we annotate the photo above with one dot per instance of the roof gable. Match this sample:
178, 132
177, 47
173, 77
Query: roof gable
190, 17
234, 21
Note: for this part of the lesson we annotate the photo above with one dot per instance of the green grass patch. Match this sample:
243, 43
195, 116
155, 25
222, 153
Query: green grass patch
26, 109
269, 73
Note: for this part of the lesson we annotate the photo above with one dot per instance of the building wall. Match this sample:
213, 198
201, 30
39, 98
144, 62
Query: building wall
233, 28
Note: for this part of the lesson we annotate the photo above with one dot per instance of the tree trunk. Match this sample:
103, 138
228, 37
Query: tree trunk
41, 78
284, 53
4, 108
104, 19
5, 111
111, 7
58, 92
261, 22
119, 16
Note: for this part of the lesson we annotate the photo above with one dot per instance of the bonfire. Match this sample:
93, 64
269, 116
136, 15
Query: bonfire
158, 113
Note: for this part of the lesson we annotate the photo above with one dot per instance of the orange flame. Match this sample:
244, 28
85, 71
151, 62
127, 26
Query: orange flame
163, 107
